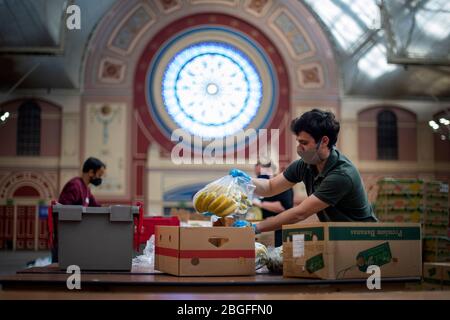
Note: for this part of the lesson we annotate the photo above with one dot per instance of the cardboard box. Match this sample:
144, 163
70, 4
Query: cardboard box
266, 238
432, 276
436, 249
344, 250
413, 200
205, 251
446, 276
436, 275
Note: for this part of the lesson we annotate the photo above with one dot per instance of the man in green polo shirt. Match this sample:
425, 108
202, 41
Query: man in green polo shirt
333, 184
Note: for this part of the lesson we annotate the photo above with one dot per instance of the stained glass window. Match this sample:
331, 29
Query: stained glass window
211, 89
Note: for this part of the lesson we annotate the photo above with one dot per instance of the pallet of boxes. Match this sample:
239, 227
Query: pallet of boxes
426, 202
218, 250
436, 244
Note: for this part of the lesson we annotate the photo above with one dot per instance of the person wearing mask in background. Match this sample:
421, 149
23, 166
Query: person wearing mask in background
271, 206
333, 184
77, 192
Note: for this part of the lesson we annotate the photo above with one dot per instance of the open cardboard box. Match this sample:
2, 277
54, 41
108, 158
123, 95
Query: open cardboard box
205, 251
345, 250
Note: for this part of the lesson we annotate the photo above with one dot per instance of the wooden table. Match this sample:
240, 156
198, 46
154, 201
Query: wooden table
50, 283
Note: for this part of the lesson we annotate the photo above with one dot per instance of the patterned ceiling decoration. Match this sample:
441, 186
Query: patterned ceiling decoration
125, 36
111, 70
292, 33
310, 76
168, 6
225, 2
258, 8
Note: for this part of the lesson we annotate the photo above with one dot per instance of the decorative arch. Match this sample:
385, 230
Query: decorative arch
25, 180
26, 191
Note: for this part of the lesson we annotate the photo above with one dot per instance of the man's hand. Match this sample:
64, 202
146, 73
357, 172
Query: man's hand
245, 223
257, 202
239, 173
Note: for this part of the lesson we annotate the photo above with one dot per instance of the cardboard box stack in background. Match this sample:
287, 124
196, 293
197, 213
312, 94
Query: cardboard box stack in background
446, 276
415, 200
436, 209
436, 275
341, 250
436, 249
205, 251
400, 200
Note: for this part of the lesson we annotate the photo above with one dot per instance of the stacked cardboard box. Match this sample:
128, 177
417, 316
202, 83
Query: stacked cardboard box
436, 243
436, 208
400, 200
413, 200
436, 249
436, 275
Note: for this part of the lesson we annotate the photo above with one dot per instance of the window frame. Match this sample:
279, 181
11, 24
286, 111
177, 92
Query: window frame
387, 135
29, 129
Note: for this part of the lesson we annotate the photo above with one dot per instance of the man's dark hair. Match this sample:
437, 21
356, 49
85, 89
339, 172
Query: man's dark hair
318, 124
92, 163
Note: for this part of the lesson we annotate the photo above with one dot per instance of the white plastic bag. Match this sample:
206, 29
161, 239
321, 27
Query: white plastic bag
260, 255
275, 259
268, 258
147, 259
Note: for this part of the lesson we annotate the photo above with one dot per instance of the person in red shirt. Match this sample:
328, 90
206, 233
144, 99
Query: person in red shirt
76, 192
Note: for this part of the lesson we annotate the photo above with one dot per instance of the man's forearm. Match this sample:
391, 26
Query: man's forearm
308, 207
262, 187
290, 216
274, 206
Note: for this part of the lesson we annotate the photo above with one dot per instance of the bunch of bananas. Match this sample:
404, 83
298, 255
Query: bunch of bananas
220, 200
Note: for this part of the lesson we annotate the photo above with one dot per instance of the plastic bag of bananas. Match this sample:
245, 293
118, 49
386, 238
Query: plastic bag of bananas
225, 196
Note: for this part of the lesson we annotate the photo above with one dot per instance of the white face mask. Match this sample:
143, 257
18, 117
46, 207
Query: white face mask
311, 156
